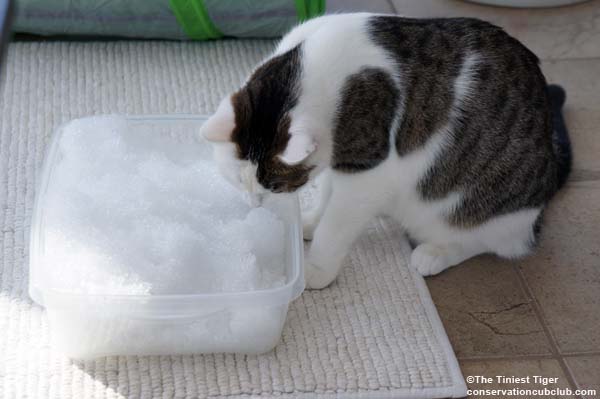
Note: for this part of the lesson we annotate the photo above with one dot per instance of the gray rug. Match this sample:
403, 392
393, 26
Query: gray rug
373, 334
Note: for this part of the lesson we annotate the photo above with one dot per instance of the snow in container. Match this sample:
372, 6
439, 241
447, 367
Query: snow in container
138, 246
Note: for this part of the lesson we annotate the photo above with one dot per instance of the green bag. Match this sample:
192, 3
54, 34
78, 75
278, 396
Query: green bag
164, 19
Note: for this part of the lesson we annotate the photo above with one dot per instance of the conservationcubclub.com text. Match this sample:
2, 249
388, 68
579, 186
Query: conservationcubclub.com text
512, 386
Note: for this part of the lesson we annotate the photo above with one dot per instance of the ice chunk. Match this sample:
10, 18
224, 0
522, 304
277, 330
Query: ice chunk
128, 213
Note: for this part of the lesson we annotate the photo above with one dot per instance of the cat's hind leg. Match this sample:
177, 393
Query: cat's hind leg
430, 259
509, 236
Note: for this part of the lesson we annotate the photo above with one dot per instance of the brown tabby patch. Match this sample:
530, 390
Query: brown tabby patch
364, 118
500, 155
262, 122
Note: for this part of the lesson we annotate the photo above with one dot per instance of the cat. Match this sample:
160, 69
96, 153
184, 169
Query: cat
446, 125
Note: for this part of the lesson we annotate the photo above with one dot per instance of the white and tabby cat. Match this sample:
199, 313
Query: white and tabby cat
444, 124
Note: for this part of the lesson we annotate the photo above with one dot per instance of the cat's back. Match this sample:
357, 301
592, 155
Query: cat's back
470, 81
444, 63
424, 39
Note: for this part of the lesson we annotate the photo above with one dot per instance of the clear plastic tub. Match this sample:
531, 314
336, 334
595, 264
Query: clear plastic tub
87, 326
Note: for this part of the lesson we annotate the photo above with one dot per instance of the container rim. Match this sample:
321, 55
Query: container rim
286, 293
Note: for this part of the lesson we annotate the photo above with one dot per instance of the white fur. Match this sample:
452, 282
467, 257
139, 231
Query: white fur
334, 47
328, 58
218, 127
299, 147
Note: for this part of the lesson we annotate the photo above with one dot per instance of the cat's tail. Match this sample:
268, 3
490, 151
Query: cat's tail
560, 136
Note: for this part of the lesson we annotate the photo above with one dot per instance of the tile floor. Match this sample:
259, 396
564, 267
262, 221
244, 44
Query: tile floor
539, 315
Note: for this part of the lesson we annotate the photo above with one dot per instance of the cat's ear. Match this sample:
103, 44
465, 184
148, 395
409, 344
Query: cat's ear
299, 147
218, 128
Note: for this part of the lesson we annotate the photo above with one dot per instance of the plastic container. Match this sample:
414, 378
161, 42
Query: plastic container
87, 326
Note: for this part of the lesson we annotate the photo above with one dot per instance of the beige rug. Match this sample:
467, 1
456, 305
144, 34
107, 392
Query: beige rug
373, 334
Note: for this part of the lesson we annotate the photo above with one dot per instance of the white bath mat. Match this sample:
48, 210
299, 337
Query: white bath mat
373, 334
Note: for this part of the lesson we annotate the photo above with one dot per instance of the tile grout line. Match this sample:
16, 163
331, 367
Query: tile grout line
556, 354
509, 357
580, 354
527, 357
575, 384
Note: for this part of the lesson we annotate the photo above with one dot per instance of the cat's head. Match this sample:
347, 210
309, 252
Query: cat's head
255, 145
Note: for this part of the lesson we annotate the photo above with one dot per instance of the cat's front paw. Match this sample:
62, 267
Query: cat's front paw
429, 259
310, 221
317, 277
